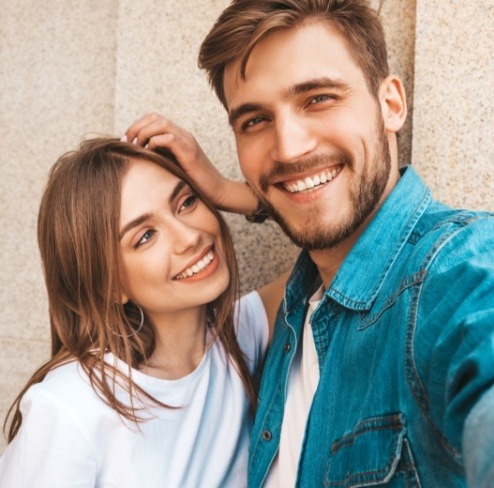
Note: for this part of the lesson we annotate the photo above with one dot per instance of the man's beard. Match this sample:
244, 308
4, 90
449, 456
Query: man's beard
364, 196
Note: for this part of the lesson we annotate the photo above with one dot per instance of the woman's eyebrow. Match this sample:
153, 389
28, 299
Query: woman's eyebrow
142, 218
178, 188
134, 223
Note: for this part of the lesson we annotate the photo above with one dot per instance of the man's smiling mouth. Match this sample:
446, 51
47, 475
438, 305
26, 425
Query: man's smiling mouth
313, 181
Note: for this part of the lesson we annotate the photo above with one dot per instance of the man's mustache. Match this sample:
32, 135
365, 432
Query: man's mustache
308, 164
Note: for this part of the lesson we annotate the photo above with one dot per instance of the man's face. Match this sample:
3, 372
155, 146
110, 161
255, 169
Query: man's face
310, 136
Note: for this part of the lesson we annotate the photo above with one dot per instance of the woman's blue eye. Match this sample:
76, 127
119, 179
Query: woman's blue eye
144, 238
189, 202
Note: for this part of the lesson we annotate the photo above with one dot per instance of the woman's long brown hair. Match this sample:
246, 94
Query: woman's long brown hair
79, 244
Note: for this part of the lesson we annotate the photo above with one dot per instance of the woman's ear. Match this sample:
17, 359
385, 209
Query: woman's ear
393, 103
124, 298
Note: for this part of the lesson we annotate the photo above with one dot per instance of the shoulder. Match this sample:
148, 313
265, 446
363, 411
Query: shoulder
252, 326
53, 445
441, 223
66, 384
66, 394
445, 241
458, 244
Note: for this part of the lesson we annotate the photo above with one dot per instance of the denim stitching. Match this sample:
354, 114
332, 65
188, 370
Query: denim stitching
407, 230
394, 422
412, 280
414, 381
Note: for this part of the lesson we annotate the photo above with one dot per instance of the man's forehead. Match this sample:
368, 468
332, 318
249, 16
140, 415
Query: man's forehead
286, 58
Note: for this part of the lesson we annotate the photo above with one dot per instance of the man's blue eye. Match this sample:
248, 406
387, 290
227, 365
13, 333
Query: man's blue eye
319, 98
255, 121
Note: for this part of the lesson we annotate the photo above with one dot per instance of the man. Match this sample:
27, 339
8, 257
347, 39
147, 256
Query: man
381, 368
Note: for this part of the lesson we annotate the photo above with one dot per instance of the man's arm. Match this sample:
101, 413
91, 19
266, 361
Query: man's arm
154, 131
478, 443
454, 345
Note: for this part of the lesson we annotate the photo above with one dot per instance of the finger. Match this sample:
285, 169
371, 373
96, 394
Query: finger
162, 127
180, 149
147, 119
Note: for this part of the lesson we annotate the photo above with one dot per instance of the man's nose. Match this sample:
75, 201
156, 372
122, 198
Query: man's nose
293, 139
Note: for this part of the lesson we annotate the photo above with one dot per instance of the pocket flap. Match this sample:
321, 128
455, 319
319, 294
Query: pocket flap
369, 454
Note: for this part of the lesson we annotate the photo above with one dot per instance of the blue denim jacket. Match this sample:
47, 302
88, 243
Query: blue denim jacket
405, 340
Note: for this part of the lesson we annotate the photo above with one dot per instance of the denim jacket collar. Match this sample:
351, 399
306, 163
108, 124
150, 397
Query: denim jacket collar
362, 273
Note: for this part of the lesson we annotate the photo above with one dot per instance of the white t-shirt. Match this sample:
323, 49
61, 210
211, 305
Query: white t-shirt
70, 438
302, 383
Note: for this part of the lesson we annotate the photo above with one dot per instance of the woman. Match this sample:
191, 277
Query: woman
150, 377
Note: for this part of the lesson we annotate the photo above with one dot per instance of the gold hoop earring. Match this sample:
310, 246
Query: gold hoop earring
142, 318
134, 332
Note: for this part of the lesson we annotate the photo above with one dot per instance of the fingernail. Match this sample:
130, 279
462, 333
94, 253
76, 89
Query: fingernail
134, 141
124, 139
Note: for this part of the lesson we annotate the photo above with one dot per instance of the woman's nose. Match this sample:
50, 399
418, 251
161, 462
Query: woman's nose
184, 237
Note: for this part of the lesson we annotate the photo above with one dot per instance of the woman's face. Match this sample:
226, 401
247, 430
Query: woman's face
171, 249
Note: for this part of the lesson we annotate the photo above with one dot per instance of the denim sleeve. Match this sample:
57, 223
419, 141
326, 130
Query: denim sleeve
454, 342
478, 443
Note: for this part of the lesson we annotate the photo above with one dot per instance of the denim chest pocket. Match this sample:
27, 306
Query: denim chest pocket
375, 453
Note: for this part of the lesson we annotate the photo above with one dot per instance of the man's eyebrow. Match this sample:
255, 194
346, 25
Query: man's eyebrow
297, 89
242, 110
142, 218
315, 84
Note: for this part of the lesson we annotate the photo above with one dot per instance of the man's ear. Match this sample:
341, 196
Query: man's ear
393, 103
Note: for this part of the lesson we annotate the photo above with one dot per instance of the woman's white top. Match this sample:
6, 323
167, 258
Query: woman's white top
70, 438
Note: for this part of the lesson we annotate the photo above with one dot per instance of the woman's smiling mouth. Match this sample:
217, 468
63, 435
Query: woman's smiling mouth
196, 268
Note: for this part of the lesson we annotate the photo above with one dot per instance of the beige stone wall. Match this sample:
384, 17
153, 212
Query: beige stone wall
70, 69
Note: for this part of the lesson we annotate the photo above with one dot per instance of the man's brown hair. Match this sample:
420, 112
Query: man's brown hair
245, 22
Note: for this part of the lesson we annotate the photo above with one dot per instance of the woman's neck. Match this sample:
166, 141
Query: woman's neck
180, 344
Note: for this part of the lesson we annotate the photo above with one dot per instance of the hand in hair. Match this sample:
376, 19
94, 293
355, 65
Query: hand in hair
153, 131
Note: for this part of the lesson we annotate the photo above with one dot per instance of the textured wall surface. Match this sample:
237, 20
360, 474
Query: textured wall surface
57, 84
71, 69
453, 137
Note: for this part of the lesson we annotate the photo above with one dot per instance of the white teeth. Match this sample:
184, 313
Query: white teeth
196, 267
311, 181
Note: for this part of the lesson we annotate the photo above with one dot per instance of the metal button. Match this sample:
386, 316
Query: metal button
266, 435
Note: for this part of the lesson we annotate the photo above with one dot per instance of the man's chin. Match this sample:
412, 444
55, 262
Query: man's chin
314, 235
